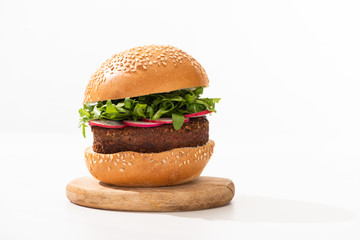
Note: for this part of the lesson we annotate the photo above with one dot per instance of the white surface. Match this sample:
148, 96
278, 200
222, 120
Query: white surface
287, 130
287, 197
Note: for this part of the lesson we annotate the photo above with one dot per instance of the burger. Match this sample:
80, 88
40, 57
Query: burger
148, 118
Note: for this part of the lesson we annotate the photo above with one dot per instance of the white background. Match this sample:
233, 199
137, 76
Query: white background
287, 128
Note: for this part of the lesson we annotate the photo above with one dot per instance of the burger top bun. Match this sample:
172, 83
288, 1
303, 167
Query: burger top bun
145, 70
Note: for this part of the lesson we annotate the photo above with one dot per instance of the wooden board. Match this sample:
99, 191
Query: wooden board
203, 193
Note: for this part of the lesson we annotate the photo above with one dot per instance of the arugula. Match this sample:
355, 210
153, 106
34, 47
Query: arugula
173, 105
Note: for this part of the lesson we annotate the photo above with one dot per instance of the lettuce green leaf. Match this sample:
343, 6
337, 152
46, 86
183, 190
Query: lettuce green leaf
173, 105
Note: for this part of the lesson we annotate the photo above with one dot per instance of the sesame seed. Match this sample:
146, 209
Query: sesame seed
121, 169
130, 60
129, 163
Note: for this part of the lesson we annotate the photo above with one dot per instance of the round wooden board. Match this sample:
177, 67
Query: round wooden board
203, 193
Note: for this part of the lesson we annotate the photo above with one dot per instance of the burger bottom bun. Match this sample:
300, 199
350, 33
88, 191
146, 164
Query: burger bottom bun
134, 169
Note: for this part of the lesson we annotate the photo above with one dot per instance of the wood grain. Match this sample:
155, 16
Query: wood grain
203, 193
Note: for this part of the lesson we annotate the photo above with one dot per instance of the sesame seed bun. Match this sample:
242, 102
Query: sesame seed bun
145, 70
133, 169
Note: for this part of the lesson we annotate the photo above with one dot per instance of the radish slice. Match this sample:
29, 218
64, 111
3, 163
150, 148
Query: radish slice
198, 114
163, 120
141, 123
107, 123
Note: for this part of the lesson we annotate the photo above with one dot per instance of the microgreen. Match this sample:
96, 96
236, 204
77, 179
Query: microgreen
173, 105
